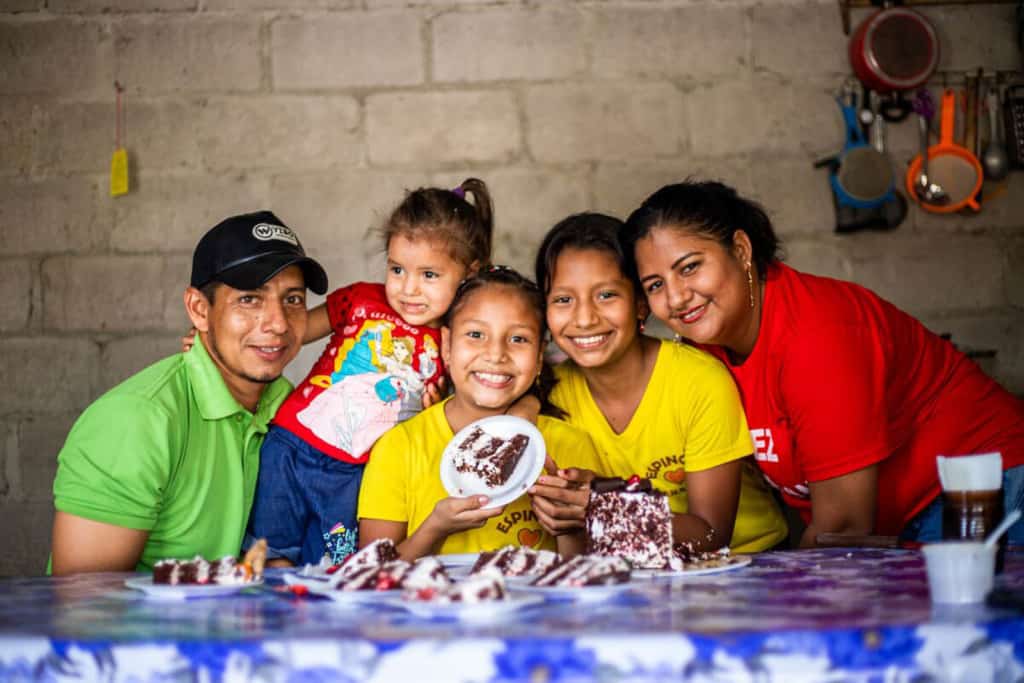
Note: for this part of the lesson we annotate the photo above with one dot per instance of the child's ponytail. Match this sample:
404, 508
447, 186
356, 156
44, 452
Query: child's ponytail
465, 228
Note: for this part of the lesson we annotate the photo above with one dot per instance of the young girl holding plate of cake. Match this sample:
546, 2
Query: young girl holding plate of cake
656, 409
492, 343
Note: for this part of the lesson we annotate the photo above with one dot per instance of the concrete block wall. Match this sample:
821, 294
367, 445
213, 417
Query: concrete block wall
326, 110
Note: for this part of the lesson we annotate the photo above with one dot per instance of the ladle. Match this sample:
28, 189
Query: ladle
995, 159
1004, 526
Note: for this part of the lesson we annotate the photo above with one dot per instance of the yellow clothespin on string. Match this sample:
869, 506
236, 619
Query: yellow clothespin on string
119, 162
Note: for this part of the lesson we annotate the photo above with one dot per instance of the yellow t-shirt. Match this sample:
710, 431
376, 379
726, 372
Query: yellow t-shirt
402, 481
689, 419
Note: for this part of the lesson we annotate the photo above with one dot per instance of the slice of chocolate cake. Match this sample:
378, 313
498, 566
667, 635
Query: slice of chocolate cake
373, 555
631, 520
490, 458
472, 589
586, 570
515, 561
225, 571
383, 577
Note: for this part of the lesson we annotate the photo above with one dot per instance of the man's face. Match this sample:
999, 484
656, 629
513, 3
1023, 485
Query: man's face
252, 335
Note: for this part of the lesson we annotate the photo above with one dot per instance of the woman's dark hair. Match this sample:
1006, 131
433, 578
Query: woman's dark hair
503, 276
583, 231
446, 215
706, 208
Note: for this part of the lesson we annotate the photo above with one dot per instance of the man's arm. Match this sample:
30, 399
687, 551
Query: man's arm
82, 545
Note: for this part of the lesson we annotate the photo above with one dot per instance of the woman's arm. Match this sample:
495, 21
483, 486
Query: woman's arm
843, 505
712, 497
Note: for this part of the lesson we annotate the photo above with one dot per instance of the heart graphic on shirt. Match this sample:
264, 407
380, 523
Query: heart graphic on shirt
675, 476
528, 537
349, 330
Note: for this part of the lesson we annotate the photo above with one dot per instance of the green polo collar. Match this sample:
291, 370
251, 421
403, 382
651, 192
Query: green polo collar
212, 395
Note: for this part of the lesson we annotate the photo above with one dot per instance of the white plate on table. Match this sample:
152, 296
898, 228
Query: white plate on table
529, 467
735, 562
185, 591
319, 586
578, 593
458, 560
467, 611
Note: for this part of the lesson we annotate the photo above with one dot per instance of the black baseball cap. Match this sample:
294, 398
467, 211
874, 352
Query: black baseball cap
247, 250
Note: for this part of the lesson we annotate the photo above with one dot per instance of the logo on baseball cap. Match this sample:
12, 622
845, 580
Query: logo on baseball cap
247, 250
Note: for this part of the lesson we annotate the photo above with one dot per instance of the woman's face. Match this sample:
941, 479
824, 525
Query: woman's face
696, 285
592, 310
492, 349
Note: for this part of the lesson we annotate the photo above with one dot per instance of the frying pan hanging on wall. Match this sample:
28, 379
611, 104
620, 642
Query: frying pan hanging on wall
892, 51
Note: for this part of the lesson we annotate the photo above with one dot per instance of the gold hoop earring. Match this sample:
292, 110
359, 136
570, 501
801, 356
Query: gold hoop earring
750, 284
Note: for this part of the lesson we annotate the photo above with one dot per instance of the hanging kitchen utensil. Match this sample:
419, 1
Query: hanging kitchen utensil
994, 160
950, 165
925, 189
861, 178
1013, 118
892, 51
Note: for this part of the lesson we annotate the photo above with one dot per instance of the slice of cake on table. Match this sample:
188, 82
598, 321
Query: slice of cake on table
630, 519
586, 570
227, 571
515, 561
491, 459
480, 588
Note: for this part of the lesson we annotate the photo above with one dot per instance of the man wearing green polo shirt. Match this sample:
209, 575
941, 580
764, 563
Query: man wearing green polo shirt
165, 464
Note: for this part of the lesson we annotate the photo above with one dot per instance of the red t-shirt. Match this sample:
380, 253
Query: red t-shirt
841, 379
370, 376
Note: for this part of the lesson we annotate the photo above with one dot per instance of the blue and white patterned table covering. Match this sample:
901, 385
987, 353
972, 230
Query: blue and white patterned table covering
823, 616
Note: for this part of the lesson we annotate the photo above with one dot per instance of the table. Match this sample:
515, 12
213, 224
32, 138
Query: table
822, 615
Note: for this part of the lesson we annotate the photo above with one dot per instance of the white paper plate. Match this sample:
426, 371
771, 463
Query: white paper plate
164, 591
578, 593
458, 560
471, 611
319, 586
530, 466
736, 562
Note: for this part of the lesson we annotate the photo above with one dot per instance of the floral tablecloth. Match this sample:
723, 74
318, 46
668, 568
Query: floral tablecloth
822, 615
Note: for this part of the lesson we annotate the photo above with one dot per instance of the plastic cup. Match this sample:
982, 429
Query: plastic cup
959, 572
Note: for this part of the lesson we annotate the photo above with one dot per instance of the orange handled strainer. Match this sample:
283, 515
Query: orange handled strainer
950, 165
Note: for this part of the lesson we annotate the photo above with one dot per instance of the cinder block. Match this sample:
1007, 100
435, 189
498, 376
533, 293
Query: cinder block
169, 213
949, 276
530, 43
162, 133
1000, 333
442, 127
13, 6
40, 439
68, 214
1013, 261
696, 42
805, 38
827, 258
337, 216
55, 57
764, 114
613, 121
27, 537
122, 357
102, 293
20, 120
121, 6
79, 136
197, 53
16, 281
254, 133
796, 195
290, 5
619, 189
975, 35
51, 374
8, 456
175, 272
344, 51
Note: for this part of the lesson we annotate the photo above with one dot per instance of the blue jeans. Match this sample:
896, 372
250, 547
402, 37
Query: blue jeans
305, 504
926, 526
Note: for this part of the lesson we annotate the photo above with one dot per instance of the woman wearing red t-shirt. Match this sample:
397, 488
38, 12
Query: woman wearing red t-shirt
848, 398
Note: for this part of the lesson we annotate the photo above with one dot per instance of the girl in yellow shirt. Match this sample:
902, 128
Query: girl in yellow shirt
492, 344
662, 410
